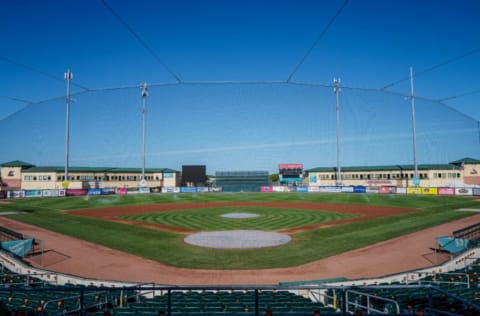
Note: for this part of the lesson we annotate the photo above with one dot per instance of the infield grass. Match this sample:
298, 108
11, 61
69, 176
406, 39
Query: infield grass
170, 249
267, 218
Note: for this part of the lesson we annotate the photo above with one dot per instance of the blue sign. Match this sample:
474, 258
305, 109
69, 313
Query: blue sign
94, 191
106, 191
188, 189
168, 175
359, 189
301, 189
33, 193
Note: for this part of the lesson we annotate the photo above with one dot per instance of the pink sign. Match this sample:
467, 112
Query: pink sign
446, 191
266, 189
290, 166
387, 190
122, 191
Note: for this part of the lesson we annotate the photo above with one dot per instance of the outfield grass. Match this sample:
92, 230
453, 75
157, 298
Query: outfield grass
169, 248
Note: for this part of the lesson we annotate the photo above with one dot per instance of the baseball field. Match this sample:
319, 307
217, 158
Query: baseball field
154, 226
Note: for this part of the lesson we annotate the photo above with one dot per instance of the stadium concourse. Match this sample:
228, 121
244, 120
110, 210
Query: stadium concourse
64, 254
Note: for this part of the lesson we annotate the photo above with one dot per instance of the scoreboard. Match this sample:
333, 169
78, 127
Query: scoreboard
290, 172
193, 176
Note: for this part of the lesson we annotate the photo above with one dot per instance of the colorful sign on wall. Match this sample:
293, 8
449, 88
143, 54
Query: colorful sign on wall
446, 191
301, 188
76, 192
122, 191
463, 191
420, 190
266, 189
387, 190
33, 193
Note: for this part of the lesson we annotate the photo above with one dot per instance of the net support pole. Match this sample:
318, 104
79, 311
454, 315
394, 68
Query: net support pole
68, 77
414, 129
144, 110
336, 89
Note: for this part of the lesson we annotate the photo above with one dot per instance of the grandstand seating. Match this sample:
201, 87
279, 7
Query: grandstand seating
29, 295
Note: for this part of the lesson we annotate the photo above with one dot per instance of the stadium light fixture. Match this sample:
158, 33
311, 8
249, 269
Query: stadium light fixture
68, 77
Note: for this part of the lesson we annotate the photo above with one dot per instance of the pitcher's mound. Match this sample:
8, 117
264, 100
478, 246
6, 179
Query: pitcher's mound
237, 239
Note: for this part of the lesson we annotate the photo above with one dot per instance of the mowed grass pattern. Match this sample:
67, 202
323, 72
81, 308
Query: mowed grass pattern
269, 218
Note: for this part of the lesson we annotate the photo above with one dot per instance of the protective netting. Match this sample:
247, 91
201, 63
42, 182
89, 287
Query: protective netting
238, 127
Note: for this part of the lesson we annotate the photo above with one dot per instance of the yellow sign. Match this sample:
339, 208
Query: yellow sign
421, 190
65, 184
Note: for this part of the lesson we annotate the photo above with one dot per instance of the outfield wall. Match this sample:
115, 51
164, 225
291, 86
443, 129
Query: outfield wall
440, 191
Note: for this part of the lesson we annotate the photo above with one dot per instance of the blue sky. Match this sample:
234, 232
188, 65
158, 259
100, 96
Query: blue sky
237, 126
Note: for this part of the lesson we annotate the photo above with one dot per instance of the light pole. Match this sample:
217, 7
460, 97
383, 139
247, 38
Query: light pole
144, 110
336, 89
68, 76
416, 180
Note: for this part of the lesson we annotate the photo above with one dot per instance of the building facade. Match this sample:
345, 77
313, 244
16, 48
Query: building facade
19, 175
455, 174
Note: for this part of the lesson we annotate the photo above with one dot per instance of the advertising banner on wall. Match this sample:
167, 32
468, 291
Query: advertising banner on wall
347, 189
463, 191
122, 191
372, 190
188, 189
313, 189
330, 189
94, 192
202, 189
279, 189
359, 189
414, 190
107, 191
430, 191
168, 175
476, 191
76, 192
143, 190
50, 193
16, 194
156, 190
266, 189
3, 194
401, 190
420, 190
301, 189
446, 191
387, 190
215, 189
33, 193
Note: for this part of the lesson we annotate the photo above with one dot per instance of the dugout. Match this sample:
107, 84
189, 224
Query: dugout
241, 181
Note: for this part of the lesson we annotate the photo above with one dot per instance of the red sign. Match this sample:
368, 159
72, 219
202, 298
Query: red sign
76, 192
290, 166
